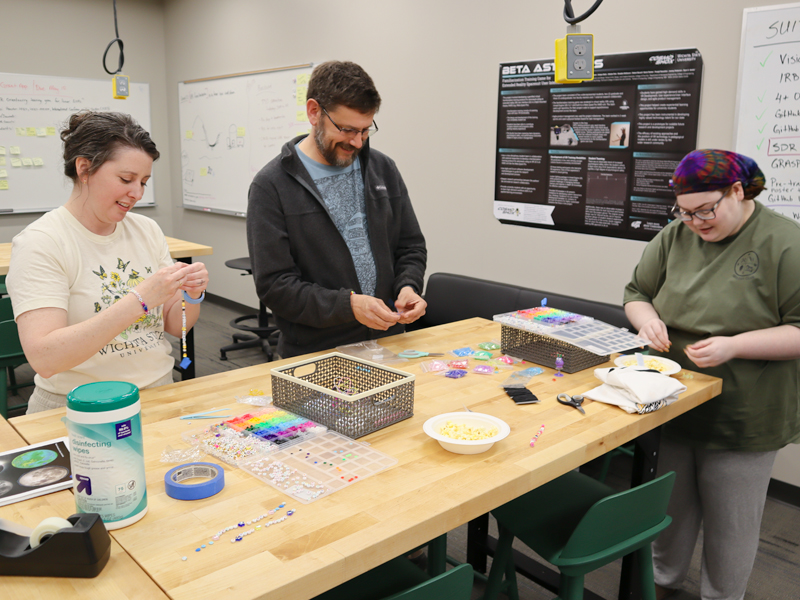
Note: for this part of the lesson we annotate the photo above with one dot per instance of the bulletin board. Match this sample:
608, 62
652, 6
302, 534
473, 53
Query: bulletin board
767, 126
33, 111
595, 157
231, 126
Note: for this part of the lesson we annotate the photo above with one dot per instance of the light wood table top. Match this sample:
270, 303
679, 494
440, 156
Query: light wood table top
121, 578
177, 249
427, 493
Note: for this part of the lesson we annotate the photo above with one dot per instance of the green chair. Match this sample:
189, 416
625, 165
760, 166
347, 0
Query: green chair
579, 524
400, 579
11, 356
3, 290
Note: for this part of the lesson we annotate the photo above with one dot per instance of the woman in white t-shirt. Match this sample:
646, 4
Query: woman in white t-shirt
93, 286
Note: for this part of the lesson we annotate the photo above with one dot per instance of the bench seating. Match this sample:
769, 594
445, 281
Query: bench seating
455, 297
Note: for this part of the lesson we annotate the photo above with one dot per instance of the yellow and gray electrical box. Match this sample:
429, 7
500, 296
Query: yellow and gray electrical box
120, 83
575, 58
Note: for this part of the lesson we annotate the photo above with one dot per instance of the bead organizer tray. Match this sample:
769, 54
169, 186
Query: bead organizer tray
318, 466
253, 433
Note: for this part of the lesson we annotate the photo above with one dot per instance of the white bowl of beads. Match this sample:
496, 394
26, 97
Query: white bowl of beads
466, 432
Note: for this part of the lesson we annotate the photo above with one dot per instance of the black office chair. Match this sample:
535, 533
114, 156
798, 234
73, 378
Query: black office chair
259, 331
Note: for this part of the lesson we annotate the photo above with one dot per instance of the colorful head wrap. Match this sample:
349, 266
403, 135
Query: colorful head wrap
708, 170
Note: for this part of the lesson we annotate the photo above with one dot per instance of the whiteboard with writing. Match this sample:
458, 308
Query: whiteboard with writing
231, 127
33, 111
768, 102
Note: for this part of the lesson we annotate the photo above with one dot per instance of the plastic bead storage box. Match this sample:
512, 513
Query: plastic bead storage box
352, 396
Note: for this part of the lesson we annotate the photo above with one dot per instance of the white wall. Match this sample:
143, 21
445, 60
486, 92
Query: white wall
67, 39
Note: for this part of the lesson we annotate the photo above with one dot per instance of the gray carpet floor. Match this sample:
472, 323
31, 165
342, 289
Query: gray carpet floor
776, 575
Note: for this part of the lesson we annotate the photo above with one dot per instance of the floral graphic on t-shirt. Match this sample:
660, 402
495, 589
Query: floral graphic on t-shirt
114, 287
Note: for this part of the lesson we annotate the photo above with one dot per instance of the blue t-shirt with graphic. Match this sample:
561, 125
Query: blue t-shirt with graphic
342, 190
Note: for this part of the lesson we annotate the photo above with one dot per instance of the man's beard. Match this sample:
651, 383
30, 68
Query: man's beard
329, 152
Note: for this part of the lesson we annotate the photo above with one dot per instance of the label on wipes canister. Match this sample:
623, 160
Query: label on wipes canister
108, 467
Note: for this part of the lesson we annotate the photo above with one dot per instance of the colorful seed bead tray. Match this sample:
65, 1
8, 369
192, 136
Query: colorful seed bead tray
255, 433
319, 466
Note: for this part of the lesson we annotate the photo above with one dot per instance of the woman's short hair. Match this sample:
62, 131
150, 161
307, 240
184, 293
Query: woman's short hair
96, 136
336, 83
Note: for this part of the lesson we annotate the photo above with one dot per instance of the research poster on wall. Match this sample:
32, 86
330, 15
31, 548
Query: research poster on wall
595, 157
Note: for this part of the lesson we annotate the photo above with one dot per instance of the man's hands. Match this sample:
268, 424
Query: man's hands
373, 313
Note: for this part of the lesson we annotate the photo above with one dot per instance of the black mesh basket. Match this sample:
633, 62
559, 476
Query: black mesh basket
352, 396
543, 350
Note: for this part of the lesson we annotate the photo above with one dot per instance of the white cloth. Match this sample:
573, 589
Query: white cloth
635, 390
57, 263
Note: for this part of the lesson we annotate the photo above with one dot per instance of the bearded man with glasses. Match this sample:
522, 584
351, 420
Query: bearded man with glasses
336, 249
718, 291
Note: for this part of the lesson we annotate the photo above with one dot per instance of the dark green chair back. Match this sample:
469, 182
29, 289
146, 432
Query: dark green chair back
455, 584
6, 312
620, 519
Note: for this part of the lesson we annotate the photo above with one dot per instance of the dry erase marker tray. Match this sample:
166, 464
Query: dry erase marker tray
318, 466
253, 433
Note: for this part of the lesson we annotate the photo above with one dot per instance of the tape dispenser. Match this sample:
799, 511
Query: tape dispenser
75, 547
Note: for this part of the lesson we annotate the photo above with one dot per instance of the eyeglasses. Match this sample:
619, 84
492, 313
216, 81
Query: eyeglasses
705, 214
351, 133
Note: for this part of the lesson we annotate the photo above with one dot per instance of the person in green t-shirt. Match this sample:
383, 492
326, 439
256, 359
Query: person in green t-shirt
718, 291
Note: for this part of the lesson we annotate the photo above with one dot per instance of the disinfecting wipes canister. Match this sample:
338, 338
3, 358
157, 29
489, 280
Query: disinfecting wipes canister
105, 438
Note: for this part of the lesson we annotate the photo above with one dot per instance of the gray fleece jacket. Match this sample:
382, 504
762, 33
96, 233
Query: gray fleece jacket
302, 267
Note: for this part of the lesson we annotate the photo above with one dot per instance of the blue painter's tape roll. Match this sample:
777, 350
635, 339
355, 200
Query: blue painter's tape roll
174, 479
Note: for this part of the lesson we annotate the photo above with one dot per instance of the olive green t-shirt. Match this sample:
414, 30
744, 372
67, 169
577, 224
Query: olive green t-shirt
746, 282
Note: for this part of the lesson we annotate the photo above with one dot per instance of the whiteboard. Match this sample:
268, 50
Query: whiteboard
33, 111
231, 127
767, 126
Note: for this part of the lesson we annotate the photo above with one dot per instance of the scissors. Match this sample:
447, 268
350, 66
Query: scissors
417, 354
575, 401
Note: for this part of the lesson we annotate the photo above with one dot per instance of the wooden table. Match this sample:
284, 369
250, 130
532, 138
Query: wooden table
429, 492
179, 250
121, 578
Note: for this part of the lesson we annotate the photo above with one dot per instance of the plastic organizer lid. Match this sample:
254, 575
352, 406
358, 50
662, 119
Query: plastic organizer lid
101, 396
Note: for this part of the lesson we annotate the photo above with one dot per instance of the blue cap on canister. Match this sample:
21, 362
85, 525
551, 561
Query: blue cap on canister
101, 396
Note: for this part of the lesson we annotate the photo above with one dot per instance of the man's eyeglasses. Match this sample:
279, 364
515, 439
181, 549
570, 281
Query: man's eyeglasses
351, 133
705, 214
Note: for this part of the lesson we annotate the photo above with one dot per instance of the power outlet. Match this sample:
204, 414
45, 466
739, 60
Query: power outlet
575, 58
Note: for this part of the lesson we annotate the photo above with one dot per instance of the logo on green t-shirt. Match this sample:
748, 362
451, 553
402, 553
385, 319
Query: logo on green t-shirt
746, 266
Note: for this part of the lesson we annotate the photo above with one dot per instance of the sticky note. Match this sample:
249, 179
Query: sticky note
3, 184
2, 161
301, 115
2, 150
303, 79
22, 131
302, 95
189, 134
3, 173
41, 131
32, 131
302, 132
240, 132
27, 162
15, 162
51, 131
14, 149
203, 171
38, 162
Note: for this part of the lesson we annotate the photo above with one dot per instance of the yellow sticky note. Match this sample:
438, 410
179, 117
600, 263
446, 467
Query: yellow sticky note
14, 149
302, 132
22, 131
3, 173
2, 150
32, 131
303, 79
203, 171
15, 162
38, 162
51, 131
41, 131
3, 184
240, 132
301, 115
189, 134
27, 162
2, 161
302, 95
